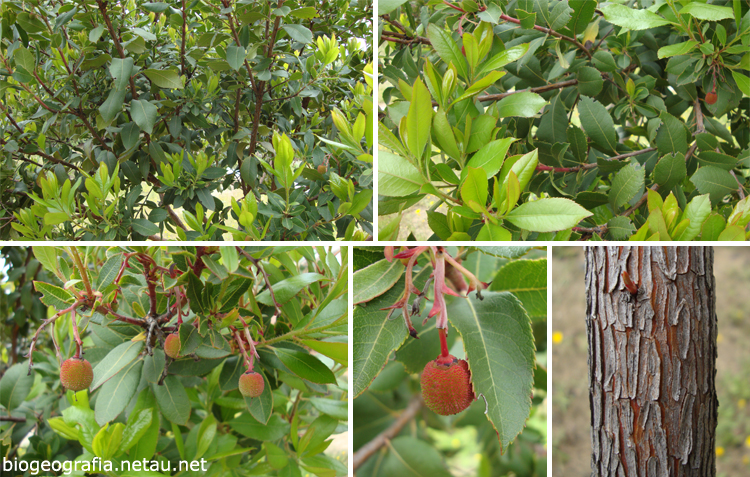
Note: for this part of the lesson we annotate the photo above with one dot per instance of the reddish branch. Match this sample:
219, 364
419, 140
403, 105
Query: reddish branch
103, 8
550, 32
542, 167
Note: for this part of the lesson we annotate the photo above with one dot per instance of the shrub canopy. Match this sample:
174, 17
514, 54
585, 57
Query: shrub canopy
191, 118
543, 120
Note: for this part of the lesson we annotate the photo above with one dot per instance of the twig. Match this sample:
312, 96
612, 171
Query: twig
550, 32
542, 167
366, 451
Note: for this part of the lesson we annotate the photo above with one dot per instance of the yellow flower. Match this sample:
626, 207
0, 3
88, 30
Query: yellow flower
741, 403
557, 337
747, 441
418, 211
719, 451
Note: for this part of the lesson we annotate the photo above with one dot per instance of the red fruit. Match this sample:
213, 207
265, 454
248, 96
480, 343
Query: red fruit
172, 346
76, 374
446, 385
711, 97
251, 384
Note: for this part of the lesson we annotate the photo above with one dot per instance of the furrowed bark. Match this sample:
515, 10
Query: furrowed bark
652, 361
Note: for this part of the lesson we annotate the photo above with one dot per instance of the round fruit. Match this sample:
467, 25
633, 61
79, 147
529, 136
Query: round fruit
322, 168
711, 97
76, 374
172, 346
446, 385
251, 384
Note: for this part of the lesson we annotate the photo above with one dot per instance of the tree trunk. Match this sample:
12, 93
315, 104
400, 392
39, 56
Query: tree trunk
651, 324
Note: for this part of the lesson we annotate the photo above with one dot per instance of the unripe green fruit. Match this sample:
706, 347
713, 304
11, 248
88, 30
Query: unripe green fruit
251, 384
322, 168
446, 385
711, 97
76, 374
172, 346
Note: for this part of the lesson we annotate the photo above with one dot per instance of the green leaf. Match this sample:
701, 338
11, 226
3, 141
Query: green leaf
397, 177
411, 456
419, 119
474, 188
500, 350
299, 33
490, 157
447, 48
306, 366
165, 78
494, 233
376, 279
115, 361
743, 82
525, 105
54, 296
144, 227
723, 161
338, 352
670, 171
547, 215
387, 6
112, 105
590, 82
560, 15
598, 124
554, 125
443, 134
480, 85
697, 211
672, 136
604, 61
144, 114
632, 19
620, 228
276, 428
336, 409
377, 336
235, 57
627, 183
15, 386
120, 69
288, 288
25, 59
705, 11
116, 393
733, 233
527, 280
677, 49
503, 58
304, 13
173, 400
715, 182
582, 14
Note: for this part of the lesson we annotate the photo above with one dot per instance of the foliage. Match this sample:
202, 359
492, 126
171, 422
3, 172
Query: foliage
289, 304
195, 119
502, 336
550, 120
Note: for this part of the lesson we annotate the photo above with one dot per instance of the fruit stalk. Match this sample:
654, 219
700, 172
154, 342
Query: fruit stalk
443, 343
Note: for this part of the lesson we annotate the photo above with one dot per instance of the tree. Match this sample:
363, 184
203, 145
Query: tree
651, 324
499, 328
190, 119
537, 120
280, 312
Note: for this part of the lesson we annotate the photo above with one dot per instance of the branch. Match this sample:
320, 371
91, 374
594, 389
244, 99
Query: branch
538, 89
366, 451
103, 8
550, 32
542, 167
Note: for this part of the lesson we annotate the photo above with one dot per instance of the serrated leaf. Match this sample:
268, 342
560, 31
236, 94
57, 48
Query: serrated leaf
376, 279
626, 184
500, 350
715, 182
631, 18
547, 215
598, 124
165, 78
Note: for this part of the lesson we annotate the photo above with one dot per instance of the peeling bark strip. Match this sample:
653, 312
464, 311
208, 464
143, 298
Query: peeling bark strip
652, 361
